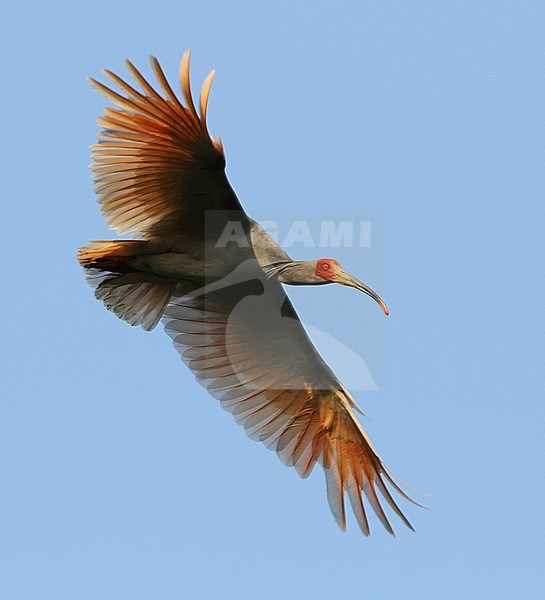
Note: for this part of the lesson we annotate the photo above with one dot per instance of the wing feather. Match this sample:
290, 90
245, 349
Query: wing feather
252, 353
155, 167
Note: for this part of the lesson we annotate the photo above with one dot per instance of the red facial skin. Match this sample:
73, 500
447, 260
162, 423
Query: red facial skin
325, 268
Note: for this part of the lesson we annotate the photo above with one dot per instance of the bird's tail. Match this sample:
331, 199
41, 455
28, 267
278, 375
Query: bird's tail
137, 297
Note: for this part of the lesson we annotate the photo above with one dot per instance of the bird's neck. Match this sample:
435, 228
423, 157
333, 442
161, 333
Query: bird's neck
298, 273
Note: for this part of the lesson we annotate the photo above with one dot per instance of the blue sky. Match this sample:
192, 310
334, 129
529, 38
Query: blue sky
121, 477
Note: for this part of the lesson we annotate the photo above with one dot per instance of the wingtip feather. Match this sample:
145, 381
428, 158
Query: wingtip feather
185, 82
205, 93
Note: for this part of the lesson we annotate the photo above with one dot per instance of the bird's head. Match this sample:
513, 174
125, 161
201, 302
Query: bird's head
331, 271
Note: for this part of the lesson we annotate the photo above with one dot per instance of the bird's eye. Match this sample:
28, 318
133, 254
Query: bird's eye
326, 266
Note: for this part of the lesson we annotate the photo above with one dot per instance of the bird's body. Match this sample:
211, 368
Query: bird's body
214, 276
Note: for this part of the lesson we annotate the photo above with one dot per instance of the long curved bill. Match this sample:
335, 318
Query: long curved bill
344, 278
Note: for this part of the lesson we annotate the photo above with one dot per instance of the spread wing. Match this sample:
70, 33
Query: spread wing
244, 342
156, 168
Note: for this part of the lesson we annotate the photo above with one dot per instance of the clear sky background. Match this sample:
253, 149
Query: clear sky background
120, 477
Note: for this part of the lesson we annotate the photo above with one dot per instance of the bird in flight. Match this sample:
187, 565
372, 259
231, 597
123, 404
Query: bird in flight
214, 277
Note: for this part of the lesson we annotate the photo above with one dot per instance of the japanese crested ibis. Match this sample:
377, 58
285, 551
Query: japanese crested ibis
213, 276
